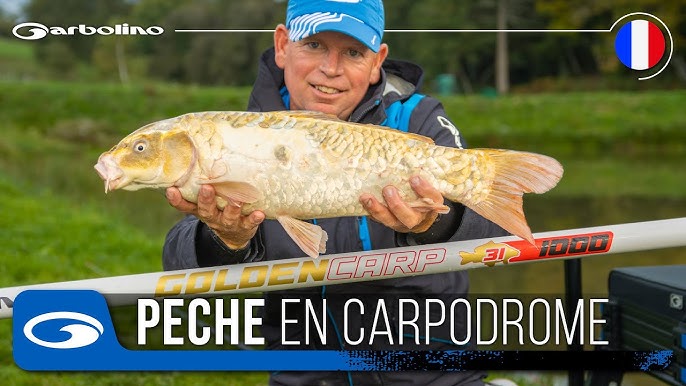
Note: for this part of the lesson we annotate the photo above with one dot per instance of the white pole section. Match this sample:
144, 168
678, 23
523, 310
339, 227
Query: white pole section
374, 265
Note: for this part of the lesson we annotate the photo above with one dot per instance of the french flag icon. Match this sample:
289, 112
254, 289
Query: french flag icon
640, 44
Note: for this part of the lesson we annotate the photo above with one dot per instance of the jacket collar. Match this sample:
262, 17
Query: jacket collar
399, 80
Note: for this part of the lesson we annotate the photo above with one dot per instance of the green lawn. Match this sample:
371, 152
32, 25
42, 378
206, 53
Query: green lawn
15, 49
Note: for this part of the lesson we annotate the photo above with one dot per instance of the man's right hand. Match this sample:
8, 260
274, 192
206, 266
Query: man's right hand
233, 228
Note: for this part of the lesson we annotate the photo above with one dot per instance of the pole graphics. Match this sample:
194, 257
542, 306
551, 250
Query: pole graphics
374, 265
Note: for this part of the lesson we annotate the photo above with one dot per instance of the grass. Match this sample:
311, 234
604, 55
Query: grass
614, 178
572, 125
35, 226
47, 238
118, 109
622, 152
13, 49
17, 61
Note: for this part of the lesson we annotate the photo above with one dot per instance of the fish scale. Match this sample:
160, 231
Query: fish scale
382, 152
298, 165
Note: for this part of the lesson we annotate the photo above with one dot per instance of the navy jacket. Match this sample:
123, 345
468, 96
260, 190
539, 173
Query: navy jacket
189, 243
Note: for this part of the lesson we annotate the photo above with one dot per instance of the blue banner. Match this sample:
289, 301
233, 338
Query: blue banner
58, 330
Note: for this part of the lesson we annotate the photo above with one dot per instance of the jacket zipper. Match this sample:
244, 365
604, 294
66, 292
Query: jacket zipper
365, 111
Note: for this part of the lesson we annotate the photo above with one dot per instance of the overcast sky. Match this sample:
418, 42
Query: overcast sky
12, 6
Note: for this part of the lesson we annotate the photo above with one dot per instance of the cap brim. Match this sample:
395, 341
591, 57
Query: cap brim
342, 23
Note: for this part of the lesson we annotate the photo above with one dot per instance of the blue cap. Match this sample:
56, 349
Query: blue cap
361, 19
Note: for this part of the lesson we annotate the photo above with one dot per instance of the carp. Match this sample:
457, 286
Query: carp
301, 165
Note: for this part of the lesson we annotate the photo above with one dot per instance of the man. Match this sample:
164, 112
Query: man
329, 57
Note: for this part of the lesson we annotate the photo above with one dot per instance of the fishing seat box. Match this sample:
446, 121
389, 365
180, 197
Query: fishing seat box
647, 311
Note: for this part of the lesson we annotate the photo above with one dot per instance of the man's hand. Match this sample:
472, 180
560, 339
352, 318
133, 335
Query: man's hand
233, 228
397, 214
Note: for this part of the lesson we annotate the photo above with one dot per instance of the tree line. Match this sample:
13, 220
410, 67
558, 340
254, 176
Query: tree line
466, 61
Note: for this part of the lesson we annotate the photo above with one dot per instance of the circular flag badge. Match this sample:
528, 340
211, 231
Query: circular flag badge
640, 44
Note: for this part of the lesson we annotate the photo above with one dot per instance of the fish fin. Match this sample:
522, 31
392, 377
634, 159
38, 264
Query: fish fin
310, 238
234, 191
513, 173
426, 204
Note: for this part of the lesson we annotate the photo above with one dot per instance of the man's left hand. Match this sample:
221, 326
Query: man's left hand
397, 214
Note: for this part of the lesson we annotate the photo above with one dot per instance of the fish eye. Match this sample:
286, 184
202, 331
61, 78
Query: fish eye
140, 146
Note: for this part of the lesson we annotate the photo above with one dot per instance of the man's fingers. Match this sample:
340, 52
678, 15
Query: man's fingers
175, 200
374, 207
426, 223
399, 209
247, 222
255, 218
229, 224
232, 211
207, 205
380, 213
399, 215
425, 189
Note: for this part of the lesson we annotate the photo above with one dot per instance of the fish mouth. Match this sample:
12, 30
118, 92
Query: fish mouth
110, 172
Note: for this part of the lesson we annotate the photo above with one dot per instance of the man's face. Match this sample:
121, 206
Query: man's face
328, 72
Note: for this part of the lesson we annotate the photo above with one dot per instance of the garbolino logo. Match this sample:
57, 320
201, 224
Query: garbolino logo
36, 31
80, 334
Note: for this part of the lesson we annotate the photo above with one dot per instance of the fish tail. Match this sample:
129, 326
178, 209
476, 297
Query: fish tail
495, 180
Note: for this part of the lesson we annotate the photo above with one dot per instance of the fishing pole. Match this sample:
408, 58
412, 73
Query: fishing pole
380, 264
